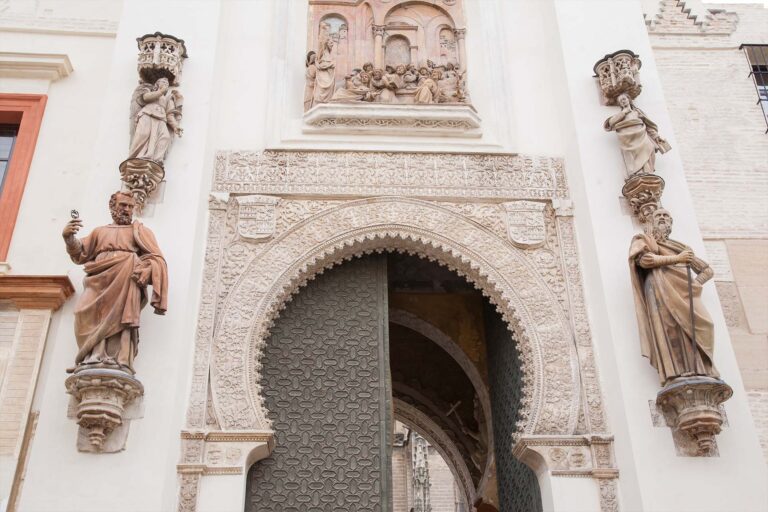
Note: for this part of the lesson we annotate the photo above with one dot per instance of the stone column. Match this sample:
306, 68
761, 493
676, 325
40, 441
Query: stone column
460, 34
378, 46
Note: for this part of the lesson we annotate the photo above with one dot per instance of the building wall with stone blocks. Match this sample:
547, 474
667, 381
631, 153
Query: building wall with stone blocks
443, 489
720, 131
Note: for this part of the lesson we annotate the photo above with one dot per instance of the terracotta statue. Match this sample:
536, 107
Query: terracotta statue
671, 323
325, 74
155, 118
309, 88
358, 88
120, 260
638, 137
428, 91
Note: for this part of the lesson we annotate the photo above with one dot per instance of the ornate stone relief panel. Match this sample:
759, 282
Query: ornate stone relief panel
448, 207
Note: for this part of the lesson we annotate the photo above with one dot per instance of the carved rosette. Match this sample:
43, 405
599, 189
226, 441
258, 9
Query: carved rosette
694, 407
102, 395
619, 73
643, 192
141, 177
160, 55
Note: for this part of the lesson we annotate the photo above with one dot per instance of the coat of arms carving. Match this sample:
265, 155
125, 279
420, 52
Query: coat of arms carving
526, 225
256, 216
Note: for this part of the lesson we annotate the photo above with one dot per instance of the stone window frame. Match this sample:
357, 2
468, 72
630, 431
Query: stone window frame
759, 73
25, 110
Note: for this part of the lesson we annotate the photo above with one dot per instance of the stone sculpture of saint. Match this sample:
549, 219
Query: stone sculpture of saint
385, 88
325, 74
358, 88
309, 87
155, 118
638, 137
428, 91
660, 285
120, 260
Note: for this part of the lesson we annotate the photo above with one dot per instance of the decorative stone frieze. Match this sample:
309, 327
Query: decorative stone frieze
377, 119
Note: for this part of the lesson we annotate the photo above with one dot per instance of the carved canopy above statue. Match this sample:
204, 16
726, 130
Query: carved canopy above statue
386, 51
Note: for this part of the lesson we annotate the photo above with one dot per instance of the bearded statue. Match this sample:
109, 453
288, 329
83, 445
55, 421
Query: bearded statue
120, 261
676, 332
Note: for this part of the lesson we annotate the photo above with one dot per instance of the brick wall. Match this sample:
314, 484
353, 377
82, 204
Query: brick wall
720, 134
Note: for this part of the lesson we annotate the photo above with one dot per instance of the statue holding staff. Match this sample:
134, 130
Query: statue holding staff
676, 331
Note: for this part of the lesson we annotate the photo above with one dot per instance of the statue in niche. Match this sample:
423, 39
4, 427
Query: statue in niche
155, 117
325, 65
309, 87
120, 260
428, 90
638, 137
676, 332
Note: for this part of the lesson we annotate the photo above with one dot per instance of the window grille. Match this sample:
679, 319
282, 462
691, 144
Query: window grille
757, 56
7, 139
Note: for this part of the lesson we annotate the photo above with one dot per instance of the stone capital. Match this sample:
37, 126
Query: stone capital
460, 33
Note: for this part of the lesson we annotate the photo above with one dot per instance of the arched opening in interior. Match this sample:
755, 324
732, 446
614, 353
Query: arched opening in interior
378, 341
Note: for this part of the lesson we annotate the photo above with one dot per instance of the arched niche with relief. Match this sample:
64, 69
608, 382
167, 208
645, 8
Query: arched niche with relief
388, 66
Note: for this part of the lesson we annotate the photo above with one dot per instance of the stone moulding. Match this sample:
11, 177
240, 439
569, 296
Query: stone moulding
362, 173
46, 66
402, 120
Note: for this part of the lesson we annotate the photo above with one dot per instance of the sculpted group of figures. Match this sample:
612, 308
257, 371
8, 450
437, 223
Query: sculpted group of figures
403, 83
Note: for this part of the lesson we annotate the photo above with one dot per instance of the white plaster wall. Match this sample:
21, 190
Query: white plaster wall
650, 471
142, 477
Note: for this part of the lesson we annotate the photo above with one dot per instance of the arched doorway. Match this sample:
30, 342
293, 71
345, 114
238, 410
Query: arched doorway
382, 338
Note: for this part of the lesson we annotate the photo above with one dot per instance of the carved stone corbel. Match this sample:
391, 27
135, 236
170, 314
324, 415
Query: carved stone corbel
644, 193
103, 396
619, 73
692, 406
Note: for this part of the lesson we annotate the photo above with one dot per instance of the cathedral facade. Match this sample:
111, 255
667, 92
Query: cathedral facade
428, 256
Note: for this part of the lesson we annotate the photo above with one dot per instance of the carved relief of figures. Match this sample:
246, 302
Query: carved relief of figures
638, 137
120, 260
397, 37
325, 73
309, 88
676, 332
155, 118
428, 91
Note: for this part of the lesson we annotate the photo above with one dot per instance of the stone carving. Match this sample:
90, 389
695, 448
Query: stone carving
155, 113
387, 52
438, 175
525, 223
245, 284
256, 216
638, 137
310, 74
619, 73
120, 261
643, 192
420, 474
676, 332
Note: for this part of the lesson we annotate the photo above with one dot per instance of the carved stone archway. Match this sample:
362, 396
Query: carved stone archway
551, 394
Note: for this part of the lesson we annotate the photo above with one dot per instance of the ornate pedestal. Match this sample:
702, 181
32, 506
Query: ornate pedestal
643, 191
693, 407
141, 177
102, 395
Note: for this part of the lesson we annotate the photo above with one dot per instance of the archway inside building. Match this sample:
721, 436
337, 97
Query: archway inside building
384, 351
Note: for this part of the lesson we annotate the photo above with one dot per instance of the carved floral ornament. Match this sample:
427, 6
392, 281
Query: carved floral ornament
247, 279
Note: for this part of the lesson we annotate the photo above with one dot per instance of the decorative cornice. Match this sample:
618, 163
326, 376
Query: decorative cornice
46, 66
36, 292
